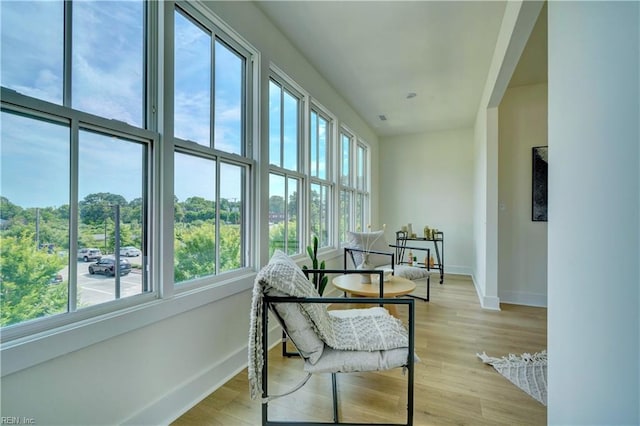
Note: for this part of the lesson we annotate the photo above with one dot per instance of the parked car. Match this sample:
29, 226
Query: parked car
107, 266
129, 251
88, 254
56, 279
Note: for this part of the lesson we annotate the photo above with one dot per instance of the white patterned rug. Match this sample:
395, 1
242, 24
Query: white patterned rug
526, 371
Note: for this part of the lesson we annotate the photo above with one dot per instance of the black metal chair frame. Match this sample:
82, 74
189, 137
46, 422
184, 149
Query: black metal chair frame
269, 301
348, 253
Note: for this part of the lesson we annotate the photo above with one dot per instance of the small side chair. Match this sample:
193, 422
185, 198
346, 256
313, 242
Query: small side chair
381, 255
341, 341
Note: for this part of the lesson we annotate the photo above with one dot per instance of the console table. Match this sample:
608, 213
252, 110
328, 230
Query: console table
438, 243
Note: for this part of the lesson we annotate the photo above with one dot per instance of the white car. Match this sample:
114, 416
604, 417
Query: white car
129, 251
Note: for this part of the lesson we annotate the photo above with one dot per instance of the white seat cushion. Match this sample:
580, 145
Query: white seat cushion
341, 361
411, 272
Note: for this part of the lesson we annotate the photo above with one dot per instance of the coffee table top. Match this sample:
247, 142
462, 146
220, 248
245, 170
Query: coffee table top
351, 283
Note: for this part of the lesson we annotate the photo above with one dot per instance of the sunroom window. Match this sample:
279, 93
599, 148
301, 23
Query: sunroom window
212, 161
63, 225
319, 165
285, 179
76, 160
354, 191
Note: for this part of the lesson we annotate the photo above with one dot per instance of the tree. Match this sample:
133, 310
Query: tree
197, 208
292, 206
276, 204
132, 212
195, 252
8, 210
230, 256
178, 210
25, 289
96, 208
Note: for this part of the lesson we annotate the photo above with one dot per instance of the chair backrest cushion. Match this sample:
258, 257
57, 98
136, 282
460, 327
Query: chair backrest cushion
371, 241
371, 330
295, 320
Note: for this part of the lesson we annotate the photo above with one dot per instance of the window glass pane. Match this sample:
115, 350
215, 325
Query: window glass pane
290, 136
345, 149
344, 215
313, 144
192, 73
318, 146
231, 214
360, 177
319, 213
34, 218
108, 59
293, 224
359, 213
277, 224
110, 183
32, 37
275, 115
228, 99
283, 214
195, 217
323, 129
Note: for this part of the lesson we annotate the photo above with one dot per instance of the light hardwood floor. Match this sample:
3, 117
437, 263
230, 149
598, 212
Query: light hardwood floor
452, 386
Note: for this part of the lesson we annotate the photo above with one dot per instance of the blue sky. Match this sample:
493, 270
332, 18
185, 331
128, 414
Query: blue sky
107, 80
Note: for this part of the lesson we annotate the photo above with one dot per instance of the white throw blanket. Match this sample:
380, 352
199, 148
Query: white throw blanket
372, 330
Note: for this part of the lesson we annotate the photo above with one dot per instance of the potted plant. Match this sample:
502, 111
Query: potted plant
319, 279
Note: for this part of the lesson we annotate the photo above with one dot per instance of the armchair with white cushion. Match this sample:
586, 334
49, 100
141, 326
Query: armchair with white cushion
340, 341
381, 255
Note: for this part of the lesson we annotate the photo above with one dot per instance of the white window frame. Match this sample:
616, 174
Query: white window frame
351, 187
207, 20
66, 333
290, 86
330, 179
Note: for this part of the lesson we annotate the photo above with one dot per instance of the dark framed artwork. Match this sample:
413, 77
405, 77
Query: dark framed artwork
539, 180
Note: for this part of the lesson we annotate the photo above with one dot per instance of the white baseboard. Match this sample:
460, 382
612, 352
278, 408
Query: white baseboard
177, 402
457, 270
524, 298
490, 303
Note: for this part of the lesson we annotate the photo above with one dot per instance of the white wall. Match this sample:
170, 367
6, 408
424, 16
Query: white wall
517, 23
594, 213
107, 383
427, 179
192, 343
522, 243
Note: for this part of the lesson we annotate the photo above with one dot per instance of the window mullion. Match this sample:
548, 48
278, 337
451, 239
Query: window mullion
286, 213
74, 217
217, 221
151, 54
68, 54
212, 92
282, 147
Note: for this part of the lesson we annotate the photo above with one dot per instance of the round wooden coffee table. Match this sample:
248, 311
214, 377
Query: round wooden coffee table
396, 286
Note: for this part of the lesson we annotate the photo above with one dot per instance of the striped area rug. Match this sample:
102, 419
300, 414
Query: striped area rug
526, 371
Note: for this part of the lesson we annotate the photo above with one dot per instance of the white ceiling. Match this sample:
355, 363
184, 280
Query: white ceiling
376, 52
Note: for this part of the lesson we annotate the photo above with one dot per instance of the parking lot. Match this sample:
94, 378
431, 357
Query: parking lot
95, 289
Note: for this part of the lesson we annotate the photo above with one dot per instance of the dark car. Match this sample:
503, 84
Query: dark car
107, 266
